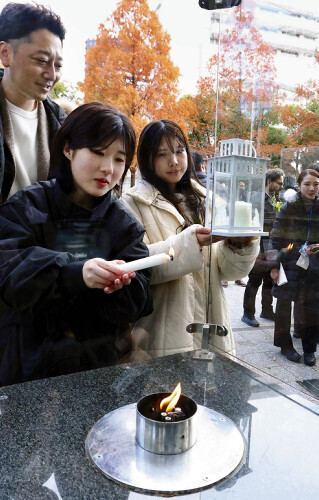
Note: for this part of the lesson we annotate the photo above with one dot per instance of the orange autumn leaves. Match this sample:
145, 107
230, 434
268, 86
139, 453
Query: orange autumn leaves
130, 66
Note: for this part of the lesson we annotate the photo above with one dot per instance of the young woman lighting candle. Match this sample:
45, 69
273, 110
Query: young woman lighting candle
65, 304
171, 206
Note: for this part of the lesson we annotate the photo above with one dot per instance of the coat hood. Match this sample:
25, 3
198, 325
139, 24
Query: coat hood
143, 192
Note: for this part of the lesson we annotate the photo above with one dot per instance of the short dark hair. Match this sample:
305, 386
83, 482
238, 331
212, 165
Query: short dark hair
198, 160
307, 171
273, 173
148, 146
18, 20
92, 125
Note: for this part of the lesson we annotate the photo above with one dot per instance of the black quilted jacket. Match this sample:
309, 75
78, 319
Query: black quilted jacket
291, 226
45, 307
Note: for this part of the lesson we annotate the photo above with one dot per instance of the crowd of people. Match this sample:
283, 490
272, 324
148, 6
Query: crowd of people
66, 305
287, 265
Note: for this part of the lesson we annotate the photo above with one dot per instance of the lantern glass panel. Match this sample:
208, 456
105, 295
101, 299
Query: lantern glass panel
222, 200
257, 199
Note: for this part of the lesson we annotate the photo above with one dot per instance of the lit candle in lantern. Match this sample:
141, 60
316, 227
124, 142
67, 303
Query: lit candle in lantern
243, 214
152, 261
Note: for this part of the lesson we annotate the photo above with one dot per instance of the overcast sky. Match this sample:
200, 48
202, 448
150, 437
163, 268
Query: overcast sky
187, 24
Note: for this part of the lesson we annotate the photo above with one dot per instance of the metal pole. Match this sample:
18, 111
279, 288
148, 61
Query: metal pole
214, 164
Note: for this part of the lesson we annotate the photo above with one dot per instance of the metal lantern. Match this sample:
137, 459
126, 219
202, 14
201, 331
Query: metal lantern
236, 190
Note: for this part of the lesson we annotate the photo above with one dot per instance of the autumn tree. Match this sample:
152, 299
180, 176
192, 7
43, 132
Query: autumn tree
301, 119
130, 65
246, 83
201, 121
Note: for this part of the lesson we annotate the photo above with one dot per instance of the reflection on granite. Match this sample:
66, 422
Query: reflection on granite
311, 385
43, 426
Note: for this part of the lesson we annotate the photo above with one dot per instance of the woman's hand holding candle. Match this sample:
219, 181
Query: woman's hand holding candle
106, 275
152, 261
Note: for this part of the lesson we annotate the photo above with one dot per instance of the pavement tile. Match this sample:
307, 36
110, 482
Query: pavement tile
255, 334
261, 346
257, 359
255, 349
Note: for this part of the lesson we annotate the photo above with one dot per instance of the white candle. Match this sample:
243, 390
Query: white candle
243, 214
154, 260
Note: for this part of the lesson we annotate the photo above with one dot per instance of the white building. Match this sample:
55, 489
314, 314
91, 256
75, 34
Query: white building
291, 27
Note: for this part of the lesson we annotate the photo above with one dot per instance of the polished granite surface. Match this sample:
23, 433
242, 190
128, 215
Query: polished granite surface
43, 426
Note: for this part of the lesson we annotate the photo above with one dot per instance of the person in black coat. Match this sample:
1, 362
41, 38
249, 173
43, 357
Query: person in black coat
198, 161
260, 273
65, 305
297, 225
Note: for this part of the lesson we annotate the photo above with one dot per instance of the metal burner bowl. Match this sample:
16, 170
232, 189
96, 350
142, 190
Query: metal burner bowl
165, 438
219, 452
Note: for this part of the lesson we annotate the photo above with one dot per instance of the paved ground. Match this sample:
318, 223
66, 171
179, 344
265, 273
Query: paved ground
255, 349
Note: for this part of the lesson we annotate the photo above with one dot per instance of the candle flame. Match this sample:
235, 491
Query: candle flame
172, 399
171, 253
289, 247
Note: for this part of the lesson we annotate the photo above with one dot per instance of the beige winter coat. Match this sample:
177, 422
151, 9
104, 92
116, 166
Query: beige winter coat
180, 287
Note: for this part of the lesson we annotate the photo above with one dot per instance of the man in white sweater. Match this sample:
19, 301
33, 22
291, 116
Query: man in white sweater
31, 39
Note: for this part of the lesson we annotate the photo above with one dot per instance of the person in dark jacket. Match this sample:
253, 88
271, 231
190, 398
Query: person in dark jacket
198, 161
260, 273
295, 240
31, 38
65, 305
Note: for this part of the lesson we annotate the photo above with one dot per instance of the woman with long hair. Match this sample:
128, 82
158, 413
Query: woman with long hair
295, 239
170, 204
65, 305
